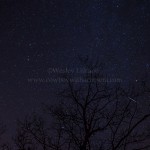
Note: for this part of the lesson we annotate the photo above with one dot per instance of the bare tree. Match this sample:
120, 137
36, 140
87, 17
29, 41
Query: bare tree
5, 147
45, 138
97, 110
23, 140
94, 115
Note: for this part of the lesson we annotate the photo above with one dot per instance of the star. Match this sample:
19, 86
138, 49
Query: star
30, 44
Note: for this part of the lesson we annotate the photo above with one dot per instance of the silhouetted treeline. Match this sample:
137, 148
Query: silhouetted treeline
90, 116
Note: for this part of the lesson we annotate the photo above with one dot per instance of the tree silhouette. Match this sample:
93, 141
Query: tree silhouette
23, 140
94, 115
5, 147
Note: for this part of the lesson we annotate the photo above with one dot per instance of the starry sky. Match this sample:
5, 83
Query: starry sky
36, 35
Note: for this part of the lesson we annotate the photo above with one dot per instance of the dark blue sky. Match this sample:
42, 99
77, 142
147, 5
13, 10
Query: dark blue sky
39, 34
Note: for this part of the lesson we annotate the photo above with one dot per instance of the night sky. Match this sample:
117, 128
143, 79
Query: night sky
36, 35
